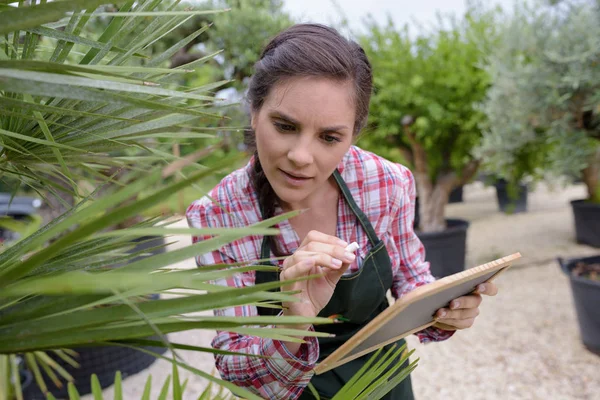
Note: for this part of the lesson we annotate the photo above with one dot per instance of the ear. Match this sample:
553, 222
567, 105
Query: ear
253, 119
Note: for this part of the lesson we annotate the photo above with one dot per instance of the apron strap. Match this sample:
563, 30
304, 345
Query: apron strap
360, 215
265, 251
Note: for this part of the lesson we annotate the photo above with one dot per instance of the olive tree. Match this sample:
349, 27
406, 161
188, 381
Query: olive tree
543, 105
424, 109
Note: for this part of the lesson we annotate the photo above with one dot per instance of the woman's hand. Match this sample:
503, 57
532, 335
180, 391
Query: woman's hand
462, 311
318, 254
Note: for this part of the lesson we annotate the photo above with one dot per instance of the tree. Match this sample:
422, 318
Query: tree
544, 100
426, 91
238, 34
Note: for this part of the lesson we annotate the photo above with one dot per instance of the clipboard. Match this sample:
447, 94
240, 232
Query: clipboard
413, 312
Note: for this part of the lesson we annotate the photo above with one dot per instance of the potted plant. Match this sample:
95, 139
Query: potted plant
544, 97
89, 110
424, 108
584, 276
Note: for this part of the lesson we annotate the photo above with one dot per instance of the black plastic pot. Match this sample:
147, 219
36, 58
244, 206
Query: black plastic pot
446, 250
507, 204
587, 222
17, 208
105, 361
586, 295
456, 195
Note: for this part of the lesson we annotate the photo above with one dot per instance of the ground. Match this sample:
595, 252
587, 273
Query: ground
524, 345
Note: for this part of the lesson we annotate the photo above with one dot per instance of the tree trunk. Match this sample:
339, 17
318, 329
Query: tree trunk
433, 196
431, 209
591, 177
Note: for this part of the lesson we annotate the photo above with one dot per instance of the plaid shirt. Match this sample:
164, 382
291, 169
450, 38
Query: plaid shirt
385, 191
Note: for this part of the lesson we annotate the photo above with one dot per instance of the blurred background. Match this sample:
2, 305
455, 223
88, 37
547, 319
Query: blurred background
493, 105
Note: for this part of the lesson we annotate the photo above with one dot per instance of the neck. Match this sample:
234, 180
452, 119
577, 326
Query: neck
323, 196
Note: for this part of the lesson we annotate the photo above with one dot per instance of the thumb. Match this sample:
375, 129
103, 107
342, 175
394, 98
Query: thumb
334, 275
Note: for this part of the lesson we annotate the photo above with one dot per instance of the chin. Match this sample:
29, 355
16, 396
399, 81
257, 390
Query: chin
290, 196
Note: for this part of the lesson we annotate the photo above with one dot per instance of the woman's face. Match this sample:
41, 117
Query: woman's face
303, 130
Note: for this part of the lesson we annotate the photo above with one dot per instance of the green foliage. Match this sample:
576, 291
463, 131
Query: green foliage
233, 44
243, 32
544, 102
437, 79
208, 393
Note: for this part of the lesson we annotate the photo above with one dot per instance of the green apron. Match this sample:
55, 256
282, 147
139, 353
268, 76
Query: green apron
359, 298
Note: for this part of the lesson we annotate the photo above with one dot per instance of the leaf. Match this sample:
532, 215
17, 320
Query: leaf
18, 80
5, 375
314, 391
243, 393
31, 16
57, 153
118, 386
9, 273
57, 111
156, 13
89, 317
96, 387
50, 373
34, 368
110, 35
164, 392
167, 54
68, 37
139, 232
147, 388
44, 358
39, 141
176, 384
90, 94
181, 346
16, 378
141, 329
66, 358
73, 393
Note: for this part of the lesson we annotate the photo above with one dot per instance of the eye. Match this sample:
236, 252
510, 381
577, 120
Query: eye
283, 127
330, 139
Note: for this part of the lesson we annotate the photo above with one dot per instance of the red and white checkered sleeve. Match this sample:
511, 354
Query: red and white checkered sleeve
283, 375
410, 268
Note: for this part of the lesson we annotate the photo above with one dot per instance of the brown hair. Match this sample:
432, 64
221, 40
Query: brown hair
305, 50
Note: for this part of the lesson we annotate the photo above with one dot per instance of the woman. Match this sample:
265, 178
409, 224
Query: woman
309, 99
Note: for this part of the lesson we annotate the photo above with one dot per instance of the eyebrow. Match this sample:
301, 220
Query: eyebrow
286, 117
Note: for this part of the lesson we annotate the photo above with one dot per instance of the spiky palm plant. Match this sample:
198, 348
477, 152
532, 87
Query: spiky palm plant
76, 107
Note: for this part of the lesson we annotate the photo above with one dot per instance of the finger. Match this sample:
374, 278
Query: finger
469, 301
334, 251
457, 323
335, 275
443, 326
316, 236
320, 259
446, 314
300, 269
488, 288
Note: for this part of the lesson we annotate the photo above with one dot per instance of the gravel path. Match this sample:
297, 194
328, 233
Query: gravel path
524, 345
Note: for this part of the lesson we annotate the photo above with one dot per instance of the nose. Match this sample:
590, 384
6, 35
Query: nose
300, 154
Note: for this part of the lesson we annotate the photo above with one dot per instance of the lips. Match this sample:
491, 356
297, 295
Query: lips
296, 176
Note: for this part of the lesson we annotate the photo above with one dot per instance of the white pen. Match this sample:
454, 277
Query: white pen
352, 247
